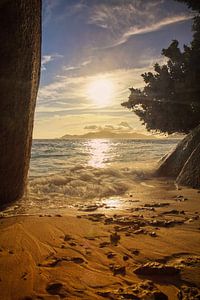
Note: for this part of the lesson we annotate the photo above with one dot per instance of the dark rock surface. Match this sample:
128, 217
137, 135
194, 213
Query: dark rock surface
190, 174
183, 163
20, 38
156, 269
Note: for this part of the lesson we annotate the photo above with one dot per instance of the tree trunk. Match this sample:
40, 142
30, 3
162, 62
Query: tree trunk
20, 38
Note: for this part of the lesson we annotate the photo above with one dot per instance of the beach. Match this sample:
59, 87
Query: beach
142, 245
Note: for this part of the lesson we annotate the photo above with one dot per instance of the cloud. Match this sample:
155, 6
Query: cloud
91, 127
119, 128
153, 27
67, 92
125, 124
48, 58
125, 19
70, 68
63, 105
77, 67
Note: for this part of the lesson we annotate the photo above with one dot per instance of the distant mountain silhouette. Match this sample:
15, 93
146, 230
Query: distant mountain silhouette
107, 134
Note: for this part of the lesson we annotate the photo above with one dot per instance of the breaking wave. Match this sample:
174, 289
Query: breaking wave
81, 182
70, 173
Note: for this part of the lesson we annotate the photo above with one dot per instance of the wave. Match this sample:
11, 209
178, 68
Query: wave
84, 182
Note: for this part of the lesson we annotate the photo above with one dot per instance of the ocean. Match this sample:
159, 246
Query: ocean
68, 173
56, 156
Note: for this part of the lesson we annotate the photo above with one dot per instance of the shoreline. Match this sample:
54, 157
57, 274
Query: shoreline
148, 248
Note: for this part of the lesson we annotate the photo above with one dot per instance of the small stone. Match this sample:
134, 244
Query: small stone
77, 260
118, 270
104, 244
158, 295
67, 237
55, 289
111, 255
125, 257
153, 234
114, 238
135, 251
72, 244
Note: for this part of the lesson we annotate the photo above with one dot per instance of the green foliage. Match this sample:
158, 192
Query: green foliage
170, 100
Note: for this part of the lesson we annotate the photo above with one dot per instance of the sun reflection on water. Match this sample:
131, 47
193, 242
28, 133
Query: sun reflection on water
99, 151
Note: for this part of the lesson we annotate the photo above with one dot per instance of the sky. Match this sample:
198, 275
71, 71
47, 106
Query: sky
93, 51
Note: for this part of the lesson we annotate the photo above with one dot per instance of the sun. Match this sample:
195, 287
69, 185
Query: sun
101, 91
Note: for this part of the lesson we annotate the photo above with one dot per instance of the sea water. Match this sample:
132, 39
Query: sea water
57, 156
68, 173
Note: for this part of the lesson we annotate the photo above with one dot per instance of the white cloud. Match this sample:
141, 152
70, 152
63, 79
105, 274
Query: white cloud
153, 27
125, 124
70, 68
77, 67
63, 106
48, 58
132, 18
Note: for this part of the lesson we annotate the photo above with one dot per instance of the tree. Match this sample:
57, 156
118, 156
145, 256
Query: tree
170, 100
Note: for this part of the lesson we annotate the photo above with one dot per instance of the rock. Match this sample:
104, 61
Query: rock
107, 295
188, 293
111, 255
118, 270
153, 234
129, 296
56, 289
165, 223
171, 212
157, 269
53, 262
104, 244
172, 164
190, 173
19, 79
135, 251
89, 208
158, 295
125, 257
139, 231
144, 290
114, 238
77, 260
183, 163
67, 238
156, 204
73, 244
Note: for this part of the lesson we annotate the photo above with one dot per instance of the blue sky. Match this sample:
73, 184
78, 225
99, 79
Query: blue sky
92, 52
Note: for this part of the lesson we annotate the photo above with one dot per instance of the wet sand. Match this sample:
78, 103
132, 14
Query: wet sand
144, 245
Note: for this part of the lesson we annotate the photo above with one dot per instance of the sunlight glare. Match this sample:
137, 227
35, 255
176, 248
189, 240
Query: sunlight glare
98, 152
101, 91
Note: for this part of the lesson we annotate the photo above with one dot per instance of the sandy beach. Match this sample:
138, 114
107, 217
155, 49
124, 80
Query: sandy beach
145, 245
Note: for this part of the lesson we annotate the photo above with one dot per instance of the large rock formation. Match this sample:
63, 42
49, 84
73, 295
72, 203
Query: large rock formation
190, 173
20, 38
184, 162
